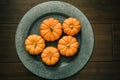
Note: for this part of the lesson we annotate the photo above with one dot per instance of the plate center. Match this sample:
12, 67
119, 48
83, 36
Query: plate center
35, 29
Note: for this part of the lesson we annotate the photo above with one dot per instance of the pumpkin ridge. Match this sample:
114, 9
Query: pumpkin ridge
30, 40
46, 51
57, 36
39, 46
70, 52
52, 37
66, 23
50, 20
46, 25
46, 22
54, 57
77, 23
67, 52
64, 39
69, 38
27, 41
74, 20
72, 32
76, 28
74, 44
38, 50
43, 56
70, 20
48, 36
62, 47
56, 32
52, 61
66, 28
38, 40
45, 33
32, 51
35, 38
68, 31
73, 40
43, 26
30, 48
55, 22
44, 59
73, 47
41, 41
54, 54
58, 24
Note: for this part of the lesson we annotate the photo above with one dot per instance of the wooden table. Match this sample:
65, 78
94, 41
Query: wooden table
104, 15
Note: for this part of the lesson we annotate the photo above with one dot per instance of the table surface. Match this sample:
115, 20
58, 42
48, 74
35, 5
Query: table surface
104, 15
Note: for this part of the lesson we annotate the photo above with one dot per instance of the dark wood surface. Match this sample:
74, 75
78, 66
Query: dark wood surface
104, 15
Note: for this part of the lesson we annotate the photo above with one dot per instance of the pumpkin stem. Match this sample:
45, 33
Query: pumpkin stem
35, 45
50, 56
71, 26
51, 28
68, 45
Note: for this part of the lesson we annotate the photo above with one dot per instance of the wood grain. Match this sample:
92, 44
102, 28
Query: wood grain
103, 39
102, 11
116, 41
92, 71
15, 71
7, 48
99, 71
104, 63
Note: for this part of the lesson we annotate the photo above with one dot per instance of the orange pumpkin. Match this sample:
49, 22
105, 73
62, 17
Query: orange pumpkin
71, 26
34, 44
68, 45
50, 55
50, 29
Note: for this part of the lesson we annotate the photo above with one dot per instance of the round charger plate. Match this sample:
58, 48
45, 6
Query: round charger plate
30, 24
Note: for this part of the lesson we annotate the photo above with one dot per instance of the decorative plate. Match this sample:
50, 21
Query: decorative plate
30, 24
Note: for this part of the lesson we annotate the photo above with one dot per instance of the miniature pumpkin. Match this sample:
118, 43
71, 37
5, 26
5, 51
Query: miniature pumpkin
34, 44
68, 45
50, 29
71, 26
50, 55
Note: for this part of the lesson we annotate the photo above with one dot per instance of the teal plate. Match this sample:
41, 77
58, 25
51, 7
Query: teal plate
66, 66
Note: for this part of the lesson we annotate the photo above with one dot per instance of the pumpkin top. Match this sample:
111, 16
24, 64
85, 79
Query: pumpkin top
68, 45
71, 26
50, 55
50, 29
34, 44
